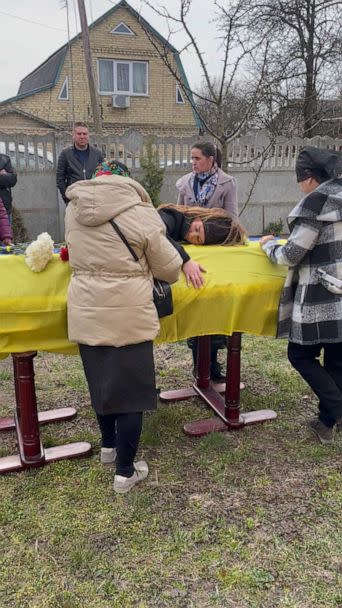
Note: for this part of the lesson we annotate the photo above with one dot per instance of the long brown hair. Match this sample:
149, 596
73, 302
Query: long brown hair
235, 233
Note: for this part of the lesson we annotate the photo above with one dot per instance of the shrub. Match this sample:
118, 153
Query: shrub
275, 228
153, 175
19, 231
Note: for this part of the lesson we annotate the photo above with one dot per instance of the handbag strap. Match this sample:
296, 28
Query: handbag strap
123, 238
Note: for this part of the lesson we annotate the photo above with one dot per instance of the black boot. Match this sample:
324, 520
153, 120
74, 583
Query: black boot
192, 343
215, 368
217, 342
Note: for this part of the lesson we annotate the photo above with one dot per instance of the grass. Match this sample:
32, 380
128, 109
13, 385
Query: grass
248, 519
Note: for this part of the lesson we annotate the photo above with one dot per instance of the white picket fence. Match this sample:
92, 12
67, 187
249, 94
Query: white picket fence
40, 153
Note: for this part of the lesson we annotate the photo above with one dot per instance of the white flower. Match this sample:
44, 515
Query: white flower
44, 236
39, 252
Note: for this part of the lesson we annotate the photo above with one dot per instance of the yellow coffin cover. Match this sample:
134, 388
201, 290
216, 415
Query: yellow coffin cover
241, 293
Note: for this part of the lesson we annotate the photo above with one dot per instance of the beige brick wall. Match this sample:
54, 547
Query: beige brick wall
12, 122
157, 112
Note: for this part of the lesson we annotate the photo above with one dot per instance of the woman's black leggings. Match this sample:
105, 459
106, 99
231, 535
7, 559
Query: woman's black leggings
122, 431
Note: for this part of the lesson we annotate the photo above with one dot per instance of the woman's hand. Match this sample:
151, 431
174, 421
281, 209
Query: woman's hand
192, 271
7, 242
265, 239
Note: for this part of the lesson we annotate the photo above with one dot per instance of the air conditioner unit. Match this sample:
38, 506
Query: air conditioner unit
121, 101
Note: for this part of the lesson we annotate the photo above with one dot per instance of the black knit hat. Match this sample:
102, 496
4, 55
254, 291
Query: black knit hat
216, 230
318, 163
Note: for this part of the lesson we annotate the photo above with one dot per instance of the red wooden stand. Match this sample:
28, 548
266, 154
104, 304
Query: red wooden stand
227, 409
26, 423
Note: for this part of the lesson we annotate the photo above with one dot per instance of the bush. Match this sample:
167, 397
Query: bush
18, 227
153, 175
275, 228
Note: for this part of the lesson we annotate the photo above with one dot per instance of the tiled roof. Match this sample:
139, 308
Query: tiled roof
45, 75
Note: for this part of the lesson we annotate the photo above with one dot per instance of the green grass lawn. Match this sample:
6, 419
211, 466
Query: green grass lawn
247, 519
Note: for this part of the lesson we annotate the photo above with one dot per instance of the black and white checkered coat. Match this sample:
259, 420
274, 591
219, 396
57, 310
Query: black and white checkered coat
309, 313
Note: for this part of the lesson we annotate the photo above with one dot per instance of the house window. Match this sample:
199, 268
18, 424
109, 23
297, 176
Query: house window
64, 92
123, 30
125, 77
180, 98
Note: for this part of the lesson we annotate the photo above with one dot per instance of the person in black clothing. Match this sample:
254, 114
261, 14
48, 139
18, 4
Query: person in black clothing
201, 226
77, 162
8, 179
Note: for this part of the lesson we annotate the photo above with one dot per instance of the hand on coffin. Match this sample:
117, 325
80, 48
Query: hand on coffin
192, 271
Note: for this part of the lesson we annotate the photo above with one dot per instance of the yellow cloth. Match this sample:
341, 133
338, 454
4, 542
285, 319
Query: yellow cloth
241, 293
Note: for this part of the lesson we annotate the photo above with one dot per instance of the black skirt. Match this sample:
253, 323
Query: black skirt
121, 380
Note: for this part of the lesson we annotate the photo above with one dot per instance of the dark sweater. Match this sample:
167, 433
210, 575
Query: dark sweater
177, 225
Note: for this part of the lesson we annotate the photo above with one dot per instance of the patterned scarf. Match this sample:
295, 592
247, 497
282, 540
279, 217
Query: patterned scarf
203, 185
111, 167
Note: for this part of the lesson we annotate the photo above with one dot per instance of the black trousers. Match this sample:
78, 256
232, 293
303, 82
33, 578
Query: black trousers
216, 343
325, 380
122, 431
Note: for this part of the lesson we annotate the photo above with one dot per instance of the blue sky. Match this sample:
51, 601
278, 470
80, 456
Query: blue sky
31, 30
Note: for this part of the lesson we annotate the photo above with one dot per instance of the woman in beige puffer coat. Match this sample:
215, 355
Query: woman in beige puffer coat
111, 314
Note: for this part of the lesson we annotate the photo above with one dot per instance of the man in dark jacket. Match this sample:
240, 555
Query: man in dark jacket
77, 162
8, 179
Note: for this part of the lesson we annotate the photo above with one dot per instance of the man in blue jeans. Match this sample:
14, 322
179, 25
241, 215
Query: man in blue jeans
310, 311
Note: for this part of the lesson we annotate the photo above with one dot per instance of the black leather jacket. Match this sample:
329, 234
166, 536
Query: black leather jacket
7, 181
70, 168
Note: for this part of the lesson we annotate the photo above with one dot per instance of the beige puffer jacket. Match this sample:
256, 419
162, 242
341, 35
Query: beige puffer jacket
110, 294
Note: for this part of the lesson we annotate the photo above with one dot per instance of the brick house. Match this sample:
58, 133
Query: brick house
135, 89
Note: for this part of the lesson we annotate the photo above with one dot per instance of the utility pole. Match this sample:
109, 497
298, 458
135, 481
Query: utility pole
89, 67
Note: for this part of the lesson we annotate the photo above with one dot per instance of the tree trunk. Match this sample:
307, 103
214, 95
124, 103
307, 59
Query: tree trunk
310, 95
224, 152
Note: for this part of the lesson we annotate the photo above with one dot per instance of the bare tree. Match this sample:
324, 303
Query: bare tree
304, 48
236, 52
236, 104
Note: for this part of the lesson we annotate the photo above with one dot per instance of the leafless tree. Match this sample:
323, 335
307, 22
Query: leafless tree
237, 53
304, 40
232, 111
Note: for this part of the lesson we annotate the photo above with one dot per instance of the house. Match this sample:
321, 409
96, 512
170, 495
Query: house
135, 88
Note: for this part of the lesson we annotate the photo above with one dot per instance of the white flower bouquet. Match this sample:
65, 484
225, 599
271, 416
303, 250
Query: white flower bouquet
39, 252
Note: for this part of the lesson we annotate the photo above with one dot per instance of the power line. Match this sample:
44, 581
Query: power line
50, 27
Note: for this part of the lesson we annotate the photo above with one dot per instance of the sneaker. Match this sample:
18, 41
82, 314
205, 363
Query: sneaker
324, 433
108, 455
125, 484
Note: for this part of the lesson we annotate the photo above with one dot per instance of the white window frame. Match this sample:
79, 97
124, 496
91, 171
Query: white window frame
119, 92
180, 92
129, 33
130, 77
66, 82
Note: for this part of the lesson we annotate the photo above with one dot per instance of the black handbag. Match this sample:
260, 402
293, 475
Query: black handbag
162, 294
162, 298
